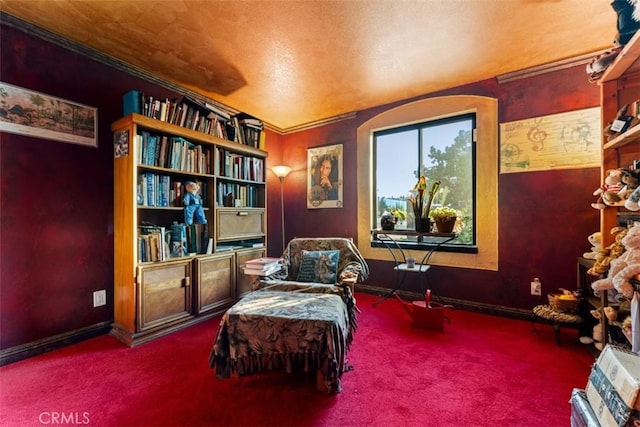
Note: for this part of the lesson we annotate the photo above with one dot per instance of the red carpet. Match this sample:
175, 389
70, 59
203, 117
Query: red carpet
480, 371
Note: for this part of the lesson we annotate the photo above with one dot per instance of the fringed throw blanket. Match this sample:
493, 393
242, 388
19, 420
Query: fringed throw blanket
300, 329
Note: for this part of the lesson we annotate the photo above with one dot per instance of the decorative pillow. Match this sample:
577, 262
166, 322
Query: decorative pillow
319, 266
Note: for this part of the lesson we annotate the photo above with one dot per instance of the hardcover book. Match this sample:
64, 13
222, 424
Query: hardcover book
178, 240
132, 102
262, 262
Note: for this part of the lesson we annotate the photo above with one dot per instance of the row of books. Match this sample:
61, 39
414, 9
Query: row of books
237, 195
159, 243
172, 153
237, 166
192, 114
155, 190
234, 246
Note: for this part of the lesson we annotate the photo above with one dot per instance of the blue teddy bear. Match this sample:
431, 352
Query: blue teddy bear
193, 204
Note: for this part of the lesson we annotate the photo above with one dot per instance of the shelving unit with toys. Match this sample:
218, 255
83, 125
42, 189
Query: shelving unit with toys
620, 104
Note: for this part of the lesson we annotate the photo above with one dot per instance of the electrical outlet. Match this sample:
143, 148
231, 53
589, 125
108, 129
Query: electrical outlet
536, 288
100, 298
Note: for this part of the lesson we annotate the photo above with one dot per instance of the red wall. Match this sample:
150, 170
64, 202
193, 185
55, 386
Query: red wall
56, 211
56, 236
544, 217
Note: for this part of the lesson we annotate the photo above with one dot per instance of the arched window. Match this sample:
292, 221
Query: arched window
473, 122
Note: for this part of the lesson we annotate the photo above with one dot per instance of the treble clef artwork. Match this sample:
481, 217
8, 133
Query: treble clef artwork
536, 135
555, 141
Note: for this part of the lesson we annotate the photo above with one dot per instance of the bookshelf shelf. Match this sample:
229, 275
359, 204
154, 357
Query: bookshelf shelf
170, 275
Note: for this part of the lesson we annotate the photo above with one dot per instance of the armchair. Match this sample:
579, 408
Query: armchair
351, 266
292, 321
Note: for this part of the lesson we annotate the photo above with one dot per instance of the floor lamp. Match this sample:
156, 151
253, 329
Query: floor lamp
281, 172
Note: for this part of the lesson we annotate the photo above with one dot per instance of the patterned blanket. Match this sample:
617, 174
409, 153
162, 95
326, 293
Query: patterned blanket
290, 327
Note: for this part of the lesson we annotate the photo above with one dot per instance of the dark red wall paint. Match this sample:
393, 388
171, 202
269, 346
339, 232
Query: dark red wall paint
56, 236
56, 215
545, 217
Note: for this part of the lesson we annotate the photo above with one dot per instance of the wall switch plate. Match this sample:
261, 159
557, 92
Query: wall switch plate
100, 298
536, 288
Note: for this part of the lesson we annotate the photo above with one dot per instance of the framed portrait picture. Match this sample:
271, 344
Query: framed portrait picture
36, 114
324, 177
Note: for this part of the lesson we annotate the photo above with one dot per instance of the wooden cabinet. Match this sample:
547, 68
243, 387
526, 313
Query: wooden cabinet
169, 275
215, 282
238, 224
164, 294
620, 85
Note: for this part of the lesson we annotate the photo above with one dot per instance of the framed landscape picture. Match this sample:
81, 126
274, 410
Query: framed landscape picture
26, 112
324, 177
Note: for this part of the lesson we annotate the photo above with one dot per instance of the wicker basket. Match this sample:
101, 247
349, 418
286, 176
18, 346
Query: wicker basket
563, 305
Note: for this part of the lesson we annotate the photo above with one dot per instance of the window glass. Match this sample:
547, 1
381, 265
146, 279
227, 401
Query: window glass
442, 151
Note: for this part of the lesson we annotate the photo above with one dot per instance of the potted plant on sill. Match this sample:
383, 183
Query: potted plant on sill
388, 220
445, 218
421, 205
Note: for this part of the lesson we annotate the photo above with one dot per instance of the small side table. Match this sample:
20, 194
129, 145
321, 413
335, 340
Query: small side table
556, 319
392, 243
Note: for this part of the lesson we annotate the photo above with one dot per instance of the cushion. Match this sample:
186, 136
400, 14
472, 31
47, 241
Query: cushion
319, 266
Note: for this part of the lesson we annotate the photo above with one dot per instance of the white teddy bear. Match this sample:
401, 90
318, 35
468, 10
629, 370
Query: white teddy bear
624, 267
596, 245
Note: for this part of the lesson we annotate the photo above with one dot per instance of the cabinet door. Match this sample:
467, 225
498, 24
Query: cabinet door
237, 224
215, 281
244, 282
164, 294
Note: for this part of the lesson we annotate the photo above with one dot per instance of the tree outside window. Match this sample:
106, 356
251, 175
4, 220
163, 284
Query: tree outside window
439, 150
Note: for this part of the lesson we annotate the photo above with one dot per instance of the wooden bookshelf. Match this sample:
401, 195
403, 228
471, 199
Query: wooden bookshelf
156, 296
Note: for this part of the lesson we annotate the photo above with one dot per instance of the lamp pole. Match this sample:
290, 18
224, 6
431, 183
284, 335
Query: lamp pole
282, 209
281, 172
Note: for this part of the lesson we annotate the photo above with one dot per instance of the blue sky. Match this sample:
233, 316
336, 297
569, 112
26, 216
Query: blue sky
394, 181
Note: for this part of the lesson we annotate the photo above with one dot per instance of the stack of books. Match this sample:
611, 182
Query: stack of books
262, 266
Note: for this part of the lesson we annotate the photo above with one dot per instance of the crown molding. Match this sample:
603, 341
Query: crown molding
318, 123
548, 68
34, 30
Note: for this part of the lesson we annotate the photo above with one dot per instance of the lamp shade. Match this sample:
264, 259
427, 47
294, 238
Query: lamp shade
281, 171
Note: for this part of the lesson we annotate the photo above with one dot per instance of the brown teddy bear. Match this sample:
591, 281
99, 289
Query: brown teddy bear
614, 250
609, 192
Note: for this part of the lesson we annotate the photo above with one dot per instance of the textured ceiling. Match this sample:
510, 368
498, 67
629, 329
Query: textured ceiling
297, 62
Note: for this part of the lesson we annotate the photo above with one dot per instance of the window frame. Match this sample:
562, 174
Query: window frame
419, 127
486, 111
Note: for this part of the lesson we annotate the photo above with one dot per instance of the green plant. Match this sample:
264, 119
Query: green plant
399, 214
443, 212
420, 204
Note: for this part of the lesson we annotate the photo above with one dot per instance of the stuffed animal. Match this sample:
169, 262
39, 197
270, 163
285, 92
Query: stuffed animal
611, 314
633, 201
193, 204
630, 179
617, 248
614, 250
621, 280
623, 267
596, 335
626, 325
608, 192
596, 245
612, 317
